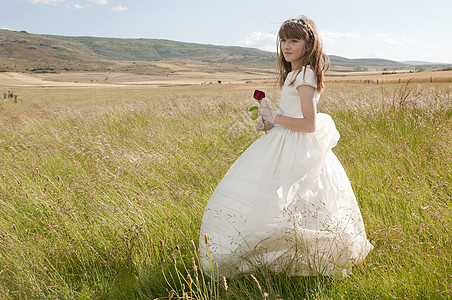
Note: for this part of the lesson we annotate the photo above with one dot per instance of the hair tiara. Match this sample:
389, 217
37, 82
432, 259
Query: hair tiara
304, 25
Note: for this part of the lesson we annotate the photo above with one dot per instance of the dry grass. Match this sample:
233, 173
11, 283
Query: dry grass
99, 186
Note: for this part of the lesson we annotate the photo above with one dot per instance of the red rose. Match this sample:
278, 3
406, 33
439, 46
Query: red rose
259, 95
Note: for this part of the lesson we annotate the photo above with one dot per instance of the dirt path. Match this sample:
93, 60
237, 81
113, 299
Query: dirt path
11, 79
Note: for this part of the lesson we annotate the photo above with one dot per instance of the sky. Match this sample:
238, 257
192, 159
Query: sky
399, 30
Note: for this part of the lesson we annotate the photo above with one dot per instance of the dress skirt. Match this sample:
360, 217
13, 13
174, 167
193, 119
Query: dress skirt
286, 204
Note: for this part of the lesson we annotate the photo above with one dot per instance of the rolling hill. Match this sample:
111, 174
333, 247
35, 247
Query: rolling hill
24, 52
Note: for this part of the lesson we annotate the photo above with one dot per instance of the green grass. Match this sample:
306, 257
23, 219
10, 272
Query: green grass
98, 187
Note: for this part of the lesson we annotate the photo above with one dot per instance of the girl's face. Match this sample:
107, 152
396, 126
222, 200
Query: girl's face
293, 50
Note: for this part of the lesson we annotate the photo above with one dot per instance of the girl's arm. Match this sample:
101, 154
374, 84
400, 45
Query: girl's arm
308, 109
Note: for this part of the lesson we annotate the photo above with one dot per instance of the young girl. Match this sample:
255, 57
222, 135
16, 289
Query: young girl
287, 203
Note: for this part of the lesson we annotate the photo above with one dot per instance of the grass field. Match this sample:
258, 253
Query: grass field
102, 191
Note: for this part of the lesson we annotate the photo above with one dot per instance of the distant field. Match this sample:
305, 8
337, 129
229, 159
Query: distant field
102, 189
390, 76
186, 77
128, 80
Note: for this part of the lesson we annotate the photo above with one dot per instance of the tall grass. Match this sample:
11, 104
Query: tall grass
102, 191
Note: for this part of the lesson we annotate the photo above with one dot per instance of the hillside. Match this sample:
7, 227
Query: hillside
21, 51
24, 52
341, 62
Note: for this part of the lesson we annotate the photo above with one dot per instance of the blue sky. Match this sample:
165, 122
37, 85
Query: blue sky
397, 29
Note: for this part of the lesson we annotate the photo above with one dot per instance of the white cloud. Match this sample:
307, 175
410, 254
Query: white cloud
391, 42
386, 40
79, 6
52, 2
100, 2
70, 5
381, 35
408, 40
119, 8
263, 41
329, 37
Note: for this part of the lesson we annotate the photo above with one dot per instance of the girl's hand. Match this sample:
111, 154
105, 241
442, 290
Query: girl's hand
260, 126
266, 112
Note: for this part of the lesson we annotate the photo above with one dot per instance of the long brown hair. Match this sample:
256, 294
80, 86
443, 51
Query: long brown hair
305, 29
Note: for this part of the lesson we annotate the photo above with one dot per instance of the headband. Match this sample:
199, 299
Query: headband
304, 25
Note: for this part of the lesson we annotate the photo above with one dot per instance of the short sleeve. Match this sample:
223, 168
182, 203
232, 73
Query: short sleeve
306, 78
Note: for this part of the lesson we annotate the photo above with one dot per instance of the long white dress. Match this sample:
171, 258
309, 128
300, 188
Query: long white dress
286, 203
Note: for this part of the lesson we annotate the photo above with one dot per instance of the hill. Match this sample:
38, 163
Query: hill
25, 52
374, 63
21, 51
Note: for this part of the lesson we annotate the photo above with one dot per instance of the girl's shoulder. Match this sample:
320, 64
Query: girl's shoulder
305, 76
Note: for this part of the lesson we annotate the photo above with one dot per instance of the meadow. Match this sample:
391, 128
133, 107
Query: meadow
102, 191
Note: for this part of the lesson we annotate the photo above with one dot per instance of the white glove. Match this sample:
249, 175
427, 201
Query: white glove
266, 112
260, 126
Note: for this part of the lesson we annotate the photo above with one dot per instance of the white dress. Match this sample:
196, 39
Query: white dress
286, 203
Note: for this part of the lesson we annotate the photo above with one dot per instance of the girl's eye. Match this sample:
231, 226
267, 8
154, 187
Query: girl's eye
294, 41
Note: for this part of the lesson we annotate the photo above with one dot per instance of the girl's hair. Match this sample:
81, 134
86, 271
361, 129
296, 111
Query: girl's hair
304, 29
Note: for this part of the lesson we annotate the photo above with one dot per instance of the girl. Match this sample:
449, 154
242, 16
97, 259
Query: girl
287, 203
